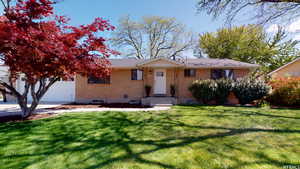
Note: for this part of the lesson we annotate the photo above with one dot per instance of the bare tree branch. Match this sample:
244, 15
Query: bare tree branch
6, 4
152, 37
264, 11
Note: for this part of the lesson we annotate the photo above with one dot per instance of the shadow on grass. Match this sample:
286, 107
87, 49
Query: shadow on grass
111, 137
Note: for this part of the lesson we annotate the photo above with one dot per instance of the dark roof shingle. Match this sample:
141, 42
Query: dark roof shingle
126, 63
195, 63
217, 63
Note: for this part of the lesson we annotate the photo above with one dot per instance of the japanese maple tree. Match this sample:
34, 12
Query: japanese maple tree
42, 48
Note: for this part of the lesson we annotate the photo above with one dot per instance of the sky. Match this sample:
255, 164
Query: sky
293, 29
185, 11
84, 11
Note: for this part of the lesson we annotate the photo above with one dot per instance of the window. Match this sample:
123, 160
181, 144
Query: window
136, 74
94, 80
190, 73
222, 73
159, 74
61, 79
70, 79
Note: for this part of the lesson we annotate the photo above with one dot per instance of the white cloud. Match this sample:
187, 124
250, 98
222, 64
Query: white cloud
294, 27
272, 28
297, 37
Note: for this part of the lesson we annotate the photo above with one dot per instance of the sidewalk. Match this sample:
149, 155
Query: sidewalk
12, 109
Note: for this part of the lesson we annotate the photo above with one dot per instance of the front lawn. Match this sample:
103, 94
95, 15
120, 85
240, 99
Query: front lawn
185, 137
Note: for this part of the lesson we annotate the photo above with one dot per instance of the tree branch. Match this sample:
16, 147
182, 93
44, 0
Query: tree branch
10, 88
267, 10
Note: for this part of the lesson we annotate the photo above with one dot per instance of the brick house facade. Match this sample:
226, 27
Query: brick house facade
123, 85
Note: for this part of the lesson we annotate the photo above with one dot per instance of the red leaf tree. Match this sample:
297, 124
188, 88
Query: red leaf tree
38, 45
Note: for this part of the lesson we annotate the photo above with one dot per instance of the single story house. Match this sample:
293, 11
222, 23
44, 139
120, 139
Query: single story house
291, 69
130, 76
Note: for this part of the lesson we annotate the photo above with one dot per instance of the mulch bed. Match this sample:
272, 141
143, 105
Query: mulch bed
20, 119
112, 105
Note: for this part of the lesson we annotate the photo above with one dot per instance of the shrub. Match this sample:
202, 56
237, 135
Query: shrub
172, 90
246, 90
203, 90
249, 89
286, 92
148, 90
224, 87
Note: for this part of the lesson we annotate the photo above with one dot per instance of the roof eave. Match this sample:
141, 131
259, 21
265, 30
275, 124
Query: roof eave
161, 58
224, 67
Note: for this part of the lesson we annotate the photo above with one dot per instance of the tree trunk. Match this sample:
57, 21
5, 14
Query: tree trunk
27, 111
36, 94
22, 101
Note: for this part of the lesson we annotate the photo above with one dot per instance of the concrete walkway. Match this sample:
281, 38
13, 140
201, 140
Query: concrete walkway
43, 111
12, 109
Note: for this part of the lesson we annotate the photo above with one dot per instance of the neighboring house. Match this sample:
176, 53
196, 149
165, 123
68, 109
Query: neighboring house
4, 77
129, 77
4, 73
291, 69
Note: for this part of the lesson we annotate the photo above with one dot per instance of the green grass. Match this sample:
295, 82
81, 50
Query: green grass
185, 137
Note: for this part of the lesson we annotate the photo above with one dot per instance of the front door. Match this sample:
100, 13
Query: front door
160, 81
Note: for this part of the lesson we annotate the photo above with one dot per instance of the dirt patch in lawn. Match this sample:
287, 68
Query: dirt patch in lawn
84, 106
19, 118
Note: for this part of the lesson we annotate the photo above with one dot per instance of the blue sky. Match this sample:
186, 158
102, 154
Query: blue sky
185, 11
84, 11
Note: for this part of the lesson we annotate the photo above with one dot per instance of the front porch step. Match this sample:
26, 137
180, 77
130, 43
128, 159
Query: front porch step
159, 101
159, 95
162, 105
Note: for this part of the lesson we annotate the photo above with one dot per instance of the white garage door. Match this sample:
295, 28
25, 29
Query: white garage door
61, 91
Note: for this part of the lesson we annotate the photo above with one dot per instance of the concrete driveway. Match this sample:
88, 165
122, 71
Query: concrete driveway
13, 109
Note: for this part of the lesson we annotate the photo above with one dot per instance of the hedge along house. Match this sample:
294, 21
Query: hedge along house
130, 76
